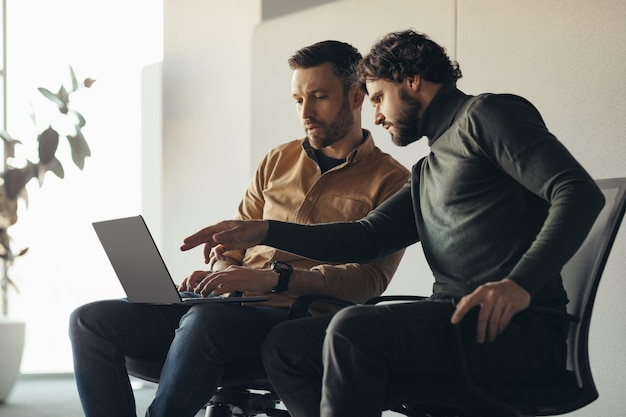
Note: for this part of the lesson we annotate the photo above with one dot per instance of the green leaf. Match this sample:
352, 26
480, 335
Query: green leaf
9, 144
51, 96
81, 120
48, 144
74, 82
80, 149
12, 284
56, 168
15, 179
5, 241
60, 99
64, 96
6, 136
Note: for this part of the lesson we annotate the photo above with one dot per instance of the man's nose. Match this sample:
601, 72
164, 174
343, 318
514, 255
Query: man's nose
307, 109
379, 118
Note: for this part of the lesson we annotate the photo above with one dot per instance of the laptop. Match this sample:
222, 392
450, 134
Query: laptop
140, 268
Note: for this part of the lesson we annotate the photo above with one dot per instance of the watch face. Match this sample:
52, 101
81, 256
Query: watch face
284, 273
278, 266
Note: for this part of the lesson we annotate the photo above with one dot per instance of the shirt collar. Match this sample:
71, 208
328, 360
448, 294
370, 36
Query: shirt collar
365, 148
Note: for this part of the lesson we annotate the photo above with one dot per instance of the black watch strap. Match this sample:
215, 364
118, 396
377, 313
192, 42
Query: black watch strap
284, 271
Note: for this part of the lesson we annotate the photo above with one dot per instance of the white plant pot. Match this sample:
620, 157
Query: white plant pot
11, 348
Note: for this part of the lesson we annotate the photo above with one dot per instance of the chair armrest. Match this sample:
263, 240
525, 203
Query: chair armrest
553, 312
301, 305
386, 298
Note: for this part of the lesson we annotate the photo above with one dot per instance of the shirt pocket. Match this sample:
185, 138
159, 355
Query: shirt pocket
336, 208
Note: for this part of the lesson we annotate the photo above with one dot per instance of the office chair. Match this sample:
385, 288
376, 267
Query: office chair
464, 397
245, 390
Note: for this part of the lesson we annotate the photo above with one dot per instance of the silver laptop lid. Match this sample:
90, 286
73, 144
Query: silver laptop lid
137, 261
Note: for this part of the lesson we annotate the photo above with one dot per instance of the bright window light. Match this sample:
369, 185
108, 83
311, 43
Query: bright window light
111, 41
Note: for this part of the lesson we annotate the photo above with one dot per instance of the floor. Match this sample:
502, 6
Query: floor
56, 396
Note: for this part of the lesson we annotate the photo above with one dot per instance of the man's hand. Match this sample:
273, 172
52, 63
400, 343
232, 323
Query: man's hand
227, 235
237, 278
192, 281
498, 301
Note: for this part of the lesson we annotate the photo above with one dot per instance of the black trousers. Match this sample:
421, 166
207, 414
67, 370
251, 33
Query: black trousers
340, 365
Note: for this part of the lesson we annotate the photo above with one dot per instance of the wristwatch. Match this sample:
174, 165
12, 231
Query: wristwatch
284, 271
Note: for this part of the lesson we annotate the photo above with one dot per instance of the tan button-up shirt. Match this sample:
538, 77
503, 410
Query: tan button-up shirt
288, 185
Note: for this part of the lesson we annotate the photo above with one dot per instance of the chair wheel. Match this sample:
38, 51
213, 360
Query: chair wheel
218, 410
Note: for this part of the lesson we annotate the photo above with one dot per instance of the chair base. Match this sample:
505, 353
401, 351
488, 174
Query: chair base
243, 402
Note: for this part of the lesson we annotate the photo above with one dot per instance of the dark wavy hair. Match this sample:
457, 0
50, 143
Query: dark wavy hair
343, 57
404, 54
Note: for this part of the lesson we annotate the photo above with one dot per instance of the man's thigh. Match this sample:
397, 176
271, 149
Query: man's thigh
233, 330
298, 341
138, 330
405, 337
418, 337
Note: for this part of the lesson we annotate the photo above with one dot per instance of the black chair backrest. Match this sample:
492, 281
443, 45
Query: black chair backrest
581, 276
439, 397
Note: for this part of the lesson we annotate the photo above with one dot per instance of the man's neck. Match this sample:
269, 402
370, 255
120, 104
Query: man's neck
326, 163
428, 92
347, 144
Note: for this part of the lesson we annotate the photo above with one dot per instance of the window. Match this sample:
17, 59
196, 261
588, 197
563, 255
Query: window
65, 267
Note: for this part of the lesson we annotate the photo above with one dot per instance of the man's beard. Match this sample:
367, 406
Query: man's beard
336, 130
407, 125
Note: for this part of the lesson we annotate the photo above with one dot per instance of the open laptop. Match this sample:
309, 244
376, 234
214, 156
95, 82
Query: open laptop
140, 267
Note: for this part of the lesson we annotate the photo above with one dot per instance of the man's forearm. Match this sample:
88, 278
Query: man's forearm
304, 282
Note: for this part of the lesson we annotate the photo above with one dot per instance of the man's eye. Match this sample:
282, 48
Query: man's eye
320, 97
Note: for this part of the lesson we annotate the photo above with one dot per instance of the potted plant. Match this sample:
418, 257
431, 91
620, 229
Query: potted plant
67, 123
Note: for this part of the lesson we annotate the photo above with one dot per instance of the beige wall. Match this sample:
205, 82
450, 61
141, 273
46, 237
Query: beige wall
206, 118
227, 101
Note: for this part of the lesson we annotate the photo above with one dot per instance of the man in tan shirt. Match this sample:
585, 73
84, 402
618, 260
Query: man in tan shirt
335, 173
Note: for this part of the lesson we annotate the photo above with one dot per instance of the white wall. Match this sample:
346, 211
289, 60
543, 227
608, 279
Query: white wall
206, 118
567, 57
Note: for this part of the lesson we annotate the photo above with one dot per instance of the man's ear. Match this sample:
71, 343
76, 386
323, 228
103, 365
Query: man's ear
414, 82
356, 97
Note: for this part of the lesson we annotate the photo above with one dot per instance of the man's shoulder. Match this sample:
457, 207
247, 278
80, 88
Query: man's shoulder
289, 148
295, 144
494, 103
385, 173
387, 161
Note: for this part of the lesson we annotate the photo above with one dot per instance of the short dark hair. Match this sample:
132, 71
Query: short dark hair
407, 53
343, 57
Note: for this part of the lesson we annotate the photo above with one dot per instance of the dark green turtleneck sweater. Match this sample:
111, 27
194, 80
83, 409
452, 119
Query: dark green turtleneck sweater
498, 196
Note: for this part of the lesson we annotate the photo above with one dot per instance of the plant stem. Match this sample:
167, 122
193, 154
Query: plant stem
5, 289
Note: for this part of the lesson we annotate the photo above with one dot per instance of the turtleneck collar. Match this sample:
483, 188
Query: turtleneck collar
441, 111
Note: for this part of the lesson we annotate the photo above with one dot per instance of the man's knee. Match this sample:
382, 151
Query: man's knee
279, 339
296, 340
81, 319
352, 323
92, 317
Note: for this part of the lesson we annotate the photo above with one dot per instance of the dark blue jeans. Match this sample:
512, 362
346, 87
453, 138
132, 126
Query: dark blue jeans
196, 345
